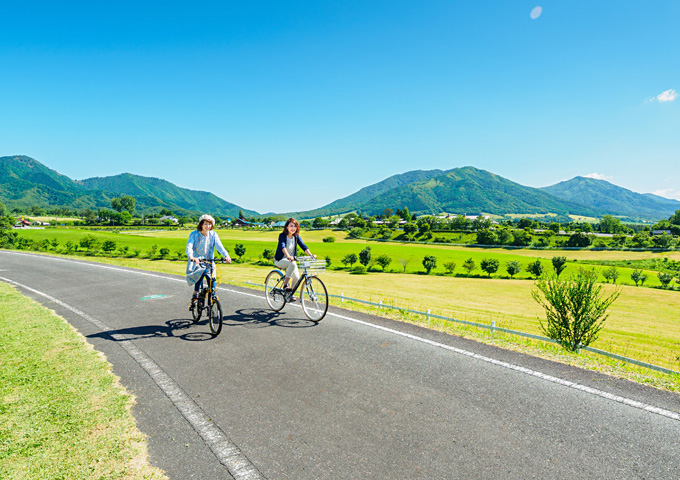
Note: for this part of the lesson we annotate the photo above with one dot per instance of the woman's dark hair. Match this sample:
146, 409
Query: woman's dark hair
294, 222
199, 227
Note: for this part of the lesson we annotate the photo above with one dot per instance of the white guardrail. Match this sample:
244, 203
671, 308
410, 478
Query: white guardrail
493, 328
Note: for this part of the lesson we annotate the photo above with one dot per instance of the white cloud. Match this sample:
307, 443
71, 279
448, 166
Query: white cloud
599, 176
667, 96
668, 193
536, 12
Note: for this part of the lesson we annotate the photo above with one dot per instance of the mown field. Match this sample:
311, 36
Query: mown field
644, 322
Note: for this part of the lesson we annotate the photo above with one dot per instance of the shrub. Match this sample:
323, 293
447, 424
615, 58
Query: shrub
535, 268
365, 256
665, 278
469, 265
164, 252
559, 264
108, 246
359, 269
429, 262
328, 261
268, 254
384, 261
513, 268
153, 250
350, 259
356, 232
638, 277
575, 308
328, 240
449, 267
239, 250
489, 265
611, 274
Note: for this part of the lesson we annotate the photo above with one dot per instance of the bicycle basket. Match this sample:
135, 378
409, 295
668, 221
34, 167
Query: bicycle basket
312, 265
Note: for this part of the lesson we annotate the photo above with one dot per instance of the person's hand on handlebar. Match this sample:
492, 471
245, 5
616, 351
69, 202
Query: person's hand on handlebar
226, 259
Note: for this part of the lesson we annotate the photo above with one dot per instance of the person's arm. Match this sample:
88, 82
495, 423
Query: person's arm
304, 247
220, 248
190, 247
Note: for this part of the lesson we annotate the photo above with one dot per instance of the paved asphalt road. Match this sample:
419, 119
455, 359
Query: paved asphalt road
353, 397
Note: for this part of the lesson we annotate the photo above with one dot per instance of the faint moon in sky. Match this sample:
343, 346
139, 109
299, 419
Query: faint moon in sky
536, 12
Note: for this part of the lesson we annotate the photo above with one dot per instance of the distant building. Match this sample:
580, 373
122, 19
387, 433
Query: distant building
661, 232
170, 218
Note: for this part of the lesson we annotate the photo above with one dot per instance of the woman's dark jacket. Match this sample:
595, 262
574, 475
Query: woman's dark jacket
282, 244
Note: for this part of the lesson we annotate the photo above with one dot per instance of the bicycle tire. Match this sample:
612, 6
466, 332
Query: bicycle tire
273, 287
196, 310
215, 316
314, 298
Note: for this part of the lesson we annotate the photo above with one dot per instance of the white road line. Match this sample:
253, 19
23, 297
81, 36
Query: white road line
517, 368
224, 449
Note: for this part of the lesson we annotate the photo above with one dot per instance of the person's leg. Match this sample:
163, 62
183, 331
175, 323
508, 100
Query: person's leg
285, 264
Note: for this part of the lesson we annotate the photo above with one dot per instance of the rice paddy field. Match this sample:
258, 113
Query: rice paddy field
644, 322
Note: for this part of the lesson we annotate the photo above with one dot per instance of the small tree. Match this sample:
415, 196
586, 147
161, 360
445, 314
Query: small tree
575, 308
365, 256
469, 265
535, 268
665, 278
404, 263
449, 267
328, 261
350, 259
356, 232
384, 261
638, 277
513, 268
429, 262
410, 228
559, 264
164, 252
489, 265
611, 274
153, 250
108, 246
240, 250
268, 254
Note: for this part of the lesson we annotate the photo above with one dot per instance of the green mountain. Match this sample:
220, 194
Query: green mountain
614, 200
25, 182
357, 200
151, 192
460, 190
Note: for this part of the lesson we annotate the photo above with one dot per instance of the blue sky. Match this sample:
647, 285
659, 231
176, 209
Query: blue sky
282, 106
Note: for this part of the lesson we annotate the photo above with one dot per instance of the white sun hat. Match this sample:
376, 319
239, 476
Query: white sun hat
207, 217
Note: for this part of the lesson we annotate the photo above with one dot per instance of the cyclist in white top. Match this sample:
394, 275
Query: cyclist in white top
202, 244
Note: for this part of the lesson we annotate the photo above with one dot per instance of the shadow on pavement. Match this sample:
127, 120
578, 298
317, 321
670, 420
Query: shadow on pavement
260, 318
177, 328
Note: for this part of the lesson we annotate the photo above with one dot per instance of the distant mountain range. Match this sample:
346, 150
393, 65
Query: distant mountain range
25, 182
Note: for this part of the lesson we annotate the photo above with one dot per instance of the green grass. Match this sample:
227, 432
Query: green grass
63, 414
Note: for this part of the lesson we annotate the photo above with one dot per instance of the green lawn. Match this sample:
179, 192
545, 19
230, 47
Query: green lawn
63, 414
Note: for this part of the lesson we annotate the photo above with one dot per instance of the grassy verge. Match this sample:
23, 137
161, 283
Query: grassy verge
63, 413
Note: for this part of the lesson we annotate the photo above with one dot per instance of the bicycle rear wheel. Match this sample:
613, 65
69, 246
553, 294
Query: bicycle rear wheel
273, 290
196, 309
314, 299
215, 318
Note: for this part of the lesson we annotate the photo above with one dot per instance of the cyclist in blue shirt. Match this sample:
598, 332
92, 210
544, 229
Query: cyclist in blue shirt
202, 244
284, 258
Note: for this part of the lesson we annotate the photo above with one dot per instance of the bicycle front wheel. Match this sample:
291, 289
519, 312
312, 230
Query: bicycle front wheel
314, 298
273, 290
216, 318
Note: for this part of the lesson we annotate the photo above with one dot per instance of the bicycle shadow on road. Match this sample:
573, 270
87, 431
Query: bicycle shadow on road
171, 329
261, 318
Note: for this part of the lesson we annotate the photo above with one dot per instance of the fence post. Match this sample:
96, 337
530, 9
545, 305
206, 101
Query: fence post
493, 326
380, 304
428, 314
342, 297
